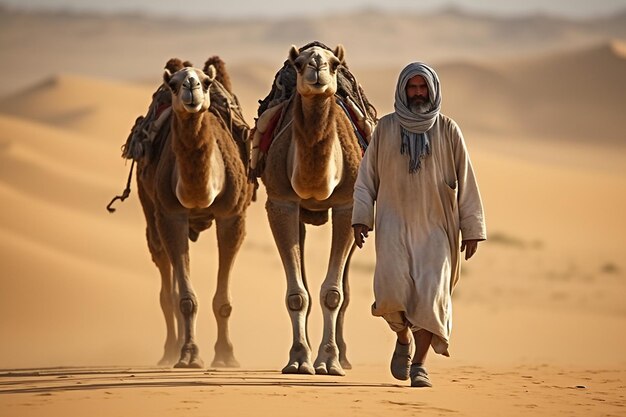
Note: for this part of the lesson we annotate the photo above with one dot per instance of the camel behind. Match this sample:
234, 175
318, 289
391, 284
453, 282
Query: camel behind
191, 154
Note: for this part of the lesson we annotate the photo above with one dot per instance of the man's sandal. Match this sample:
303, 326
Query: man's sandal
401, 361
419, 376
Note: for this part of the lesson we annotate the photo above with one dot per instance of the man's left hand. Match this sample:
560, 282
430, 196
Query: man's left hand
470, 247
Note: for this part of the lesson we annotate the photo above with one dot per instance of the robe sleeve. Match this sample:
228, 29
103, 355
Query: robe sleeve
366, 185
471, 214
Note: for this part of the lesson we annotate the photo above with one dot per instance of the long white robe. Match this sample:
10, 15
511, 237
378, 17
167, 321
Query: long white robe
417, 223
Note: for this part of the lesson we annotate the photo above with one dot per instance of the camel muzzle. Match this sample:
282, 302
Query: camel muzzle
192, 97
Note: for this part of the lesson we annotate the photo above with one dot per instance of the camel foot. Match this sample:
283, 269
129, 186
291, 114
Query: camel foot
164, 362
195, 364
225, 363
345, 363
299, 360
224, 356
327, 362
189, 357
332, 368
299, 368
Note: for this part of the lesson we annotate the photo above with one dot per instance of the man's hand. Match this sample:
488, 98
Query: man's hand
360, 233
470, 247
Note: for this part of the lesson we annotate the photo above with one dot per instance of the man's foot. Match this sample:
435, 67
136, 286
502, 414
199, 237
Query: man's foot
401, 361
419, 376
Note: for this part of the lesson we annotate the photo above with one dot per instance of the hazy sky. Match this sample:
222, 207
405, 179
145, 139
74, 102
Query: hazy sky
281, 8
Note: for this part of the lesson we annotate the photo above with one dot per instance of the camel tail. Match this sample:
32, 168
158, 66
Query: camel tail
222, 76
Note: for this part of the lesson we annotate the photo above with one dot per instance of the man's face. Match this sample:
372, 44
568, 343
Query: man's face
417, 94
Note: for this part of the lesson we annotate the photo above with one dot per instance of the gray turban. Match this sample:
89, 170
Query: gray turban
415, 141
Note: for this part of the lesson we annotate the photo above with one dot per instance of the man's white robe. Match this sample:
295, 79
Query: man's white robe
417, 223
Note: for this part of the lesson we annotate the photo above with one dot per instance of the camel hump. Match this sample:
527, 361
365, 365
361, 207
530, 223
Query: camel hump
176, 64
220, 68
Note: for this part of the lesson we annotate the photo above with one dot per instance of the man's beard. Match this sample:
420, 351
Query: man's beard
419, 105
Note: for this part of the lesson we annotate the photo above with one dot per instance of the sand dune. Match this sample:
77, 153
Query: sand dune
62, 168
86, 105
573, 96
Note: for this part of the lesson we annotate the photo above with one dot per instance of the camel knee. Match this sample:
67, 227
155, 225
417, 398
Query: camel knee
332, 299
296, 302
188, 306
224, 310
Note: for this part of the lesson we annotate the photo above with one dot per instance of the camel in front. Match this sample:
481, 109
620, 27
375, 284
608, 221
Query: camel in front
310, 169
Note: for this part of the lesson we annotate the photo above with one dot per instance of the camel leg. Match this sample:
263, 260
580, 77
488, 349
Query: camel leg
174, 230
331, 293
341, 343
168, 294
284, 221
230, 235
167, 298
304, 280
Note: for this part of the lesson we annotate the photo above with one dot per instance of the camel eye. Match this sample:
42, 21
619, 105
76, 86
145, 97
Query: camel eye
206, 83
298, 65
334, 64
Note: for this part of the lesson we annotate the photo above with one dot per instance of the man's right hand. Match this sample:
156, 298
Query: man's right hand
360, 233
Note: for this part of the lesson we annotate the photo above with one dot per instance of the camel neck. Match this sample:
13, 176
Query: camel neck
193, 143
317, 166
314, 117
189, 129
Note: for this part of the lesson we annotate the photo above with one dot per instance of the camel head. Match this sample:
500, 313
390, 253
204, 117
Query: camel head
190, 88
316, 69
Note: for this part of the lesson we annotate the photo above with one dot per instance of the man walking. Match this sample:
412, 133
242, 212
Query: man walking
418, 174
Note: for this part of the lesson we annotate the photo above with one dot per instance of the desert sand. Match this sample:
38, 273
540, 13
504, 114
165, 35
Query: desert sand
539, 314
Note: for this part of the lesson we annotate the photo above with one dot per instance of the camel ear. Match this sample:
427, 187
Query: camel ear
211, 72
293, 54
167, 77
340, 52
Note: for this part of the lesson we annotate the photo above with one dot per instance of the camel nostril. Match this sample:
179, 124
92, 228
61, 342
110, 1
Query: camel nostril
191, 83
317, 60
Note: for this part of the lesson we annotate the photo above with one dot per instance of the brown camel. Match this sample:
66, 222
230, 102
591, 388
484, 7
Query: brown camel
310, 169
193, 176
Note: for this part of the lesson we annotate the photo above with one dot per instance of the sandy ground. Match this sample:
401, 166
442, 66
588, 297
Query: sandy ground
462, 391
539, 314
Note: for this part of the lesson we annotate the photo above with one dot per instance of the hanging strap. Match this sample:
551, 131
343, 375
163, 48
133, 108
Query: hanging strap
126, 192
359, 135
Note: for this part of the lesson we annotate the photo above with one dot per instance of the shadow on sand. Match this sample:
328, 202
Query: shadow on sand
51, 380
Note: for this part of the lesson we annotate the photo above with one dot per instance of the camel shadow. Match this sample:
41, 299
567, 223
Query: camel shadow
55, 380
